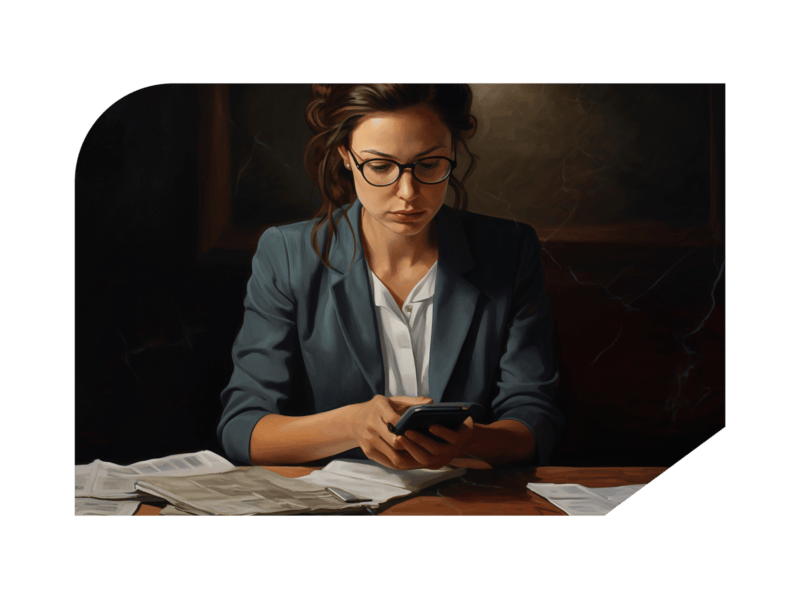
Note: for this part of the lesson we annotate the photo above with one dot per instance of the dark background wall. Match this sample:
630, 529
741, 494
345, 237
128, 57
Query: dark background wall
624, 184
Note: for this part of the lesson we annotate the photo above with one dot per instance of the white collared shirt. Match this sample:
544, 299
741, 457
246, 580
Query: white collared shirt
405, 335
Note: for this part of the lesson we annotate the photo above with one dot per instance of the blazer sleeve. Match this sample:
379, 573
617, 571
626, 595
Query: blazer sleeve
264, 350
528, 374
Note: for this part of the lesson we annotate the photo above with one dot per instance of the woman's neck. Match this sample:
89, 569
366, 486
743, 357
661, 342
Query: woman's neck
389, 252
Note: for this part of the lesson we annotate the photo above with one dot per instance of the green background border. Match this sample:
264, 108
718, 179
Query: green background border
698, 530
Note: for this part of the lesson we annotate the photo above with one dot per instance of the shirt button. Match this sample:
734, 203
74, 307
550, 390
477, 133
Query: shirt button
408, 309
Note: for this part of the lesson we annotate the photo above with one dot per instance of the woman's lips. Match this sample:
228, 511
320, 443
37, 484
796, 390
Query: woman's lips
408, 216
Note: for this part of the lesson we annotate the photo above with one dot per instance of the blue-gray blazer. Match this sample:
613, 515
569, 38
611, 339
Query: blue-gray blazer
309, 342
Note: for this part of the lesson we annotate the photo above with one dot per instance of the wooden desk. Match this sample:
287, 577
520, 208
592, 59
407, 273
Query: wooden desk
499, 491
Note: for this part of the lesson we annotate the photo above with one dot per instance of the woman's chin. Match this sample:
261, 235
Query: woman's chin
407, 228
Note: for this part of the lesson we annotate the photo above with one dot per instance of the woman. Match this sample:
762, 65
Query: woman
390, 299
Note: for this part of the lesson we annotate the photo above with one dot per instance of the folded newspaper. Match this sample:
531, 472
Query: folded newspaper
369, 479
105, 480
258, 491
575, 499
106, 508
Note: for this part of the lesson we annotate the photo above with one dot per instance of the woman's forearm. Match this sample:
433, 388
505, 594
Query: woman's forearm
500, 443
282, 440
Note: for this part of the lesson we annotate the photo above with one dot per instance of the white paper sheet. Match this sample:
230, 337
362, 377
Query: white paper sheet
578, 500
110, 481
413, 480
375, 491
94, 506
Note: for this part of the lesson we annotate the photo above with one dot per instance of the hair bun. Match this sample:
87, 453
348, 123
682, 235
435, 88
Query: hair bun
321, 91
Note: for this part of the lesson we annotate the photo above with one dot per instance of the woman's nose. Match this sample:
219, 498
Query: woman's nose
406, 185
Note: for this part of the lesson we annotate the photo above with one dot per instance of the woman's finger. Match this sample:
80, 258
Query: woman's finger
443, 456
431, 446
446, 434
388, 412
400, 459
382, 431
401, 403
379, 458
417, 452
403, 464
457, 437
465, 431
388, 451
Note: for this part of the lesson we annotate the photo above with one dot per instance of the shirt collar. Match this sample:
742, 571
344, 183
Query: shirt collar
422, 291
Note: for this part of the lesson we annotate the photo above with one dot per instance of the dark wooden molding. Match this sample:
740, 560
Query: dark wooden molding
214, 166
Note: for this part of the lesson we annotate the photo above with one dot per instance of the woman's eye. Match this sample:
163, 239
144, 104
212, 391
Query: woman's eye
379, 167
430, 165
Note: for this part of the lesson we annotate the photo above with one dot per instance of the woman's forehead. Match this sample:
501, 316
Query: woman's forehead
401, 134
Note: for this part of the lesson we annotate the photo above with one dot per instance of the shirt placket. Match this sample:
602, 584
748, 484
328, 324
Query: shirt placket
405, 351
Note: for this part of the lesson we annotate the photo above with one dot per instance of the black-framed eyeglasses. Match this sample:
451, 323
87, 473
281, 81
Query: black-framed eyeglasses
381, 172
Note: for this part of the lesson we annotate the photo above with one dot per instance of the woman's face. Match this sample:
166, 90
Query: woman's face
404, 136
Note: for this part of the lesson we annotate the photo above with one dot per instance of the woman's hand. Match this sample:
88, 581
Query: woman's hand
369, 428
433, 454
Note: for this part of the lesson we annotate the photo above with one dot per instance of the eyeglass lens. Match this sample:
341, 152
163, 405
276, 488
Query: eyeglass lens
384, 172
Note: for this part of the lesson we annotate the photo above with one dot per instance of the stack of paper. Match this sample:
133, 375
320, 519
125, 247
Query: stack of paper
107, 481
369, 479
257, 491
575, 499
93, 506
252, 491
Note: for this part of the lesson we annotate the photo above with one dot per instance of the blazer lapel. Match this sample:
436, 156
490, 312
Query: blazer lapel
352, 300
454, 302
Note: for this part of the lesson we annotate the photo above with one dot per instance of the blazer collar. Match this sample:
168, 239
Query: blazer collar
346, 244
453, 305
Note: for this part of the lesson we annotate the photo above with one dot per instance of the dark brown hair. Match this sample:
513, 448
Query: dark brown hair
334, 111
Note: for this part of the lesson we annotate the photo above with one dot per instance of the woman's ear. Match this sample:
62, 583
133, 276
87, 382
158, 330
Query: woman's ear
344, 154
